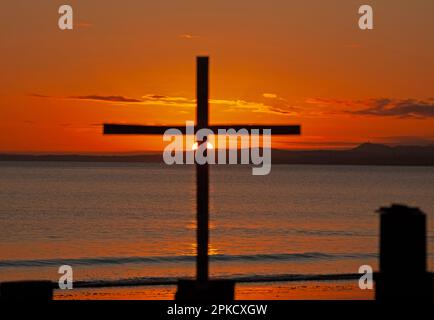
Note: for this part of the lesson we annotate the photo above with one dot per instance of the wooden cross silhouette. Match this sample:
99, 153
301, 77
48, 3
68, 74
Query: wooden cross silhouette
202, 174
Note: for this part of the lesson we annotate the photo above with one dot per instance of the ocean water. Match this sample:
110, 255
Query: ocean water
124, 223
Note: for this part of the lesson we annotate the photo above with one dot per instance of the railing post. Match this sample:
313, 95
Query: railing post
403, 258
26, 291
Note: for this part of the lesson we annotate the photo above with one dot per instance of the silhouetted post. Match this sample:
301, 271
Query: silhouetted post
403, 270
26, 290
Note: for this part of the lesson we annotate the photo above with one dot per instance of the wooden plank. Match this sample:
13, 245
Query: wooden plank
159, 130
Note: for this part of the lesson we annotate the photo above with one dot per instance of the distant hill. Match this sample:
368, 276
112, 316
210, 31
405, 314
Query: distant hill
372, 147
151, 157
364, 154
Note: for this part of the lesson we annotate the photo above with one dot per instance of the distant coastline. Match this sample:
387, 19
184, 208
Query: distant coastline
364, 154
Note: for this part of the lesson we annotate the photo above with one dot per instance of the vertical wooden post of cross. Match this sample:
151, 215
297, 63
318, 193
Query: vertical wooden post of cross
202, 173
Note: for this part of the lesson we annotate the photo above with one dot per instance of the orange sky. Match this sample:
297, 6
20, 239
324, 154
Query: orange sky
133, 61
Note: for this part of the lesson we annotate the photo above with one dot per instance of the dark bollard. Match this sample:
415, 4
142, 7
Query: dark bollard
26, 290
403, 259
208, 291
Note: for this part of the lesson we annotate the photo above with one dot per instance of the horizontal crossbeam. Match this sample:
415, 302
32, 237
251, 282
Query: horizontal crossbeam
140, 129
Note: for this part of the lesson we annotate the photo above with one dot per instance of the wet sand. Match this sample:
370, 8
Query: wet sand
324, 290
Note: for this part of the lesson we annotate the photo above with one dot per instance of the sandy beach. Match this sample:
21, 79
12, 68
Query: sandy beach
324, 290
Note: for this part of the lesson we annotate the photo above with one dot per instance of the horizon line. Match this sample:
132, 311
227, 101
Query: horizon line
156, 152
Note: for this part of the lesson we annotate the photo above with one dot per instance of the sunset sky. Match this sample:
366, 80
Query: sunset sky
295, 62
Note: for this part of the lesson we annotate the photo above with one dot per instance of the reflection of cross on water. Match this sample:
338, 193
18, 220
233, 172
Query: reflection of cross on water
202, 173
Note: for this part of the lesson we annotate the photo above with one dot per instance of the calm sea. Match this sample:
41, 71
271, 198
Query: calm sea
123, 222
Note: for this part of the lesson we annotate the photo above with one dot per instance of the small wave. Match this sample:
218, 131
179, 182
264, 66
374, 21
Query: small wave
182, 259
334, 233
248, 278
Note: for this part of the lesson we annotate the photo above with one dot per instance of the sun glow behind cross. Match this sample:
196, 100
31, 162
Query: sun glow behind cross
196, 145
